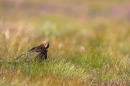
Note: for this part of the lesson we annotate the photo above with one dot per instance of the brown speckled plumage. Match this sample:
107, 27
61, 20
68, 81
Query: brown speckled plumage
37, 53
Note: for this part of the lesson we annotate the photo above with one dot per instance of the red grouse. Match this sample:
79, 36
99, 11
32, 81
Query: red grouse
38, 53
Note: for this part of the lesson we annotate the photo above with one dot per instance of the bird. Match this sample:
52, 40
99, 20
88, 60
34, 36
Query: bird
38, 53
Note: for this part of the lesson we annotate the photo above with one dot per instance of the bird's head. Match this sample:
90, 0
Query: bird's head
45, 44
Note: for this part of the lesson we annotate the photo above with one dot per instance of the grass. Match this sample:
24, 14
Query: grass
90, 52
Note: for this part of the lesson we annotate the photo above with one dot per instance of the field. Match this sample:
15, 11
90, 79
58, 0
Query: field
89, 42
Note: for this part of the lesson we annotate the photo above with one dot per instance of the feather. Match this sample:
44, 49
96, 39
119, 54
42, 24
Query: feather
36, 53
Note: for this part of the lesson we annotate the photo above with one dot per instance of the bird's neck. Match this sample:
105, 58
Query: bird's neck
42, 47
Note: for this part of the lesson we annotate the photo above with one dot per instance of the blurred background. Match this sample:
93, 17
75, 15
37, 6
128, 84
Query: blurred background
82, 10
77, 22
90, 37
